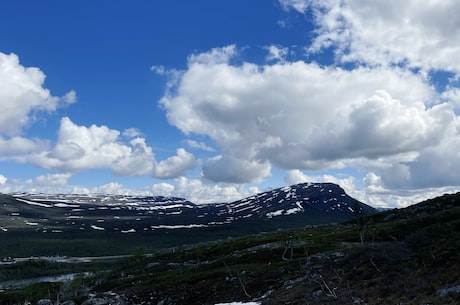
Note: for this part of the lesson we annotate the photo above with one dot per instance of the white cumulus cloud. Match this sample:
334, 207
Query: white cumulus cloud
418, 34
20, 149
22, 95
232, 170
434, 167
298, 115
299, 5
199, 145
200, 192
81, 148
174, 166
132, 133
3, 179
52, 179
277, 53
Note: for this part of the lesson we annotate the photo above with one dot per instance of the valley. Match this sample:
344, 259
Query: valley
397, 256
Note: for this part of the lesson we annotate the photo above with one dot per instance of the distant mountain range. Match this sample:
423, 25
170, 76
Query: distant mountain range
300, 204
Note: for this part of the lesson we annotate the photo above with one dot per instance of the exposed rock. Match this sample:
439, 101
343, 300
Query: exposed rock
317, 294
289, 283
116, 300
44, 302
95, 301
447, 292
107, 298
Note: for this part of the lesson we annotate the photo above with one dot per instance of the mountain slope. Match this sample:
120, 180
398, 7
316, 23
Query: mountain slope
85, 225
303, 198
315, 203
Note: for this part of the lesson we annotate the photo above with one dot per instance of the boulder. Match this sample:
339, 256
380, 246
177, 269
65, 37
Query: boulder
95, 301
447, 292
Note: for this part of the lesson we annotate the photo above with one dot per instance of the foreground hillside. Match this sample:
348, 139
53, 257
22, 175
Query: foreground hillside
405, 256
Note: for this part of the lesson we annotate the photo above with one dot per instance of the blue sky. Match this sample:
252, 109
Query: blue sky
216, 100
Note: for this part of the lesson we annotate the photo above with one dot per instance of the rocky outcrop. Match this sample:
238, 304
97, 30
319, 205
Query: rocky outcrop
449, 292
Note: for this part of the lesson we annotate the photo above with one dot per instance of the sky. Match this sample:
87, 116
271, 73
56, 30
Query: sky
214, 101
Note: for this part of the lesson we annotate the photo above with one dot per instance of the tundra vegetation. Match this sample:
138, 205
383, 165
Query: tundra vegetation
403, 256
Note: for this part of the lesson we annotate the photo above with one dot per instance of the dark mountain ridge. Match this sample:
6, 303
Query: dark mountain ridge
310, 203
302, 198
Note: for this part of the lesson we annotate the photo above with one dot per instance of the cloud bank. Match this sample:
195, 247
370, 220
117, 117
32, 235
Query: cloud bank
409, 33
78, 148
22, 95
298, 115
377, 109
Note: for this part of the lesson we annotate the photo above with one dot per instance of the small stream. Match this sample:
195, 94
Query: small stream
14, 284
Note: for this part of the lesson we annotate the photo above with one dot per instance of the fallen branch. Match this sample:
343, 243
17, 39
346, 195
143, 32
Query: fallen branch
243, 286
375, 266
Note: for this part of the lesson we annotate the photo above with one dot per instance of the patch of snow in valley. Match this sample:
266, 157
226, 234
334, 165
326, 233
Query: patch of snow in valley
286, 189
65, 205
243, 209
128, 231
215, 223
269, 199
293, 211
241, 204
34, 203
15, 284
298, 204
275, 213
239, 303
174, 213
178, 226
97, 228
